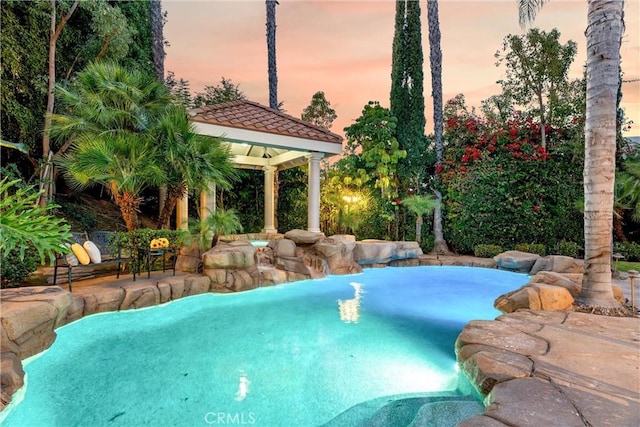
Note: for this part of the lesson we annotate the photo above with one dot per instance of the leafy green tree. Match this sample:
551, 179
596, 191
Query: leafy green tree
536, 70
191, 162
110, 118
374, 134
109, 39
319, 111
224, 92
407, 87
179, 89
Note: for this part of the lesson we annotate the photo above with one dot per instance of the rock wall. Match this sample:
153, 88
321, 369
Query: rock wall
30, 315
556, 282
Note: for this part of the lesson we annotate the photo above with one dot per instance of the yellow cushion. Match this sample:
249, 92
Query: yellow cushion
93, 252
80, 253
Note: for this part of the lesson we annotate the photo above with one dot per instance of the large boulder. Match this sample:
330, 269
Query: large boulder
304, 237
571, 282
535, 296
283, 247
558, 264
523, 298
374, 252
408, 250
234, 255
516, 261
27, 328
337, 250
189, 258
140, 294
11, 377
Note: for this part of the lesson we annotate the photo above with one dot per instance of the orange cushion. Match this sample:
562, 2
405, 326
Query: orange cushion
92, 251
80, 253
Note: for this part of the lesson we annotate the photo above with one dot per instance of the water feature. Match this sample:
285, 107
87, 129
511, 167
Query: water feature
340, 351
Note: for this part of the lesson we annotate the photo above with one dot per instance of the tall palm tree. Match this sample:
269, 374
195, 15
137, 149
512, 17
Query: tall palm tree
271, 53
190, 161
605, 26
157, 38
435, 60
110, 118
420, 205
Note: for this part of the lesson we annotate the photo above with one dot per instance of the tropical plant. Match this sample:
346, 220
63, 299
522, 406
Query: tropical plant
419, 205
110, 118
25, 225
190, 162
605, 27
628, 186
220, 222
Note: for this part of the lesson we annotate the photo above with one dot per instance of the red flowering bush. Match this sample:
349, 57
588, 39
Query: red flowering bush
500, 186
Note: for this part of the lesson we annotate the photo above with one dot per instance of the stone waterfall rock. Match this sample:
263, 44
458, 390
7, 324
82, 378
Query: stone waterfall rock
338, 252
516, 261
303, 237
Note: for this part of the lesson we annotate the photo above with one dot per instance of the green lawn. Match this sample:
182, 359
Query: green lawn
627, 265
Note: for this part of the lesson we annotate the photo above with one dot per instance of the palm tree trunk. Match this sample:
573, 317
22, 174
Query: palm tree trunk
157, 39
173, 195
129, 205
419, 229
271, 53
604, 34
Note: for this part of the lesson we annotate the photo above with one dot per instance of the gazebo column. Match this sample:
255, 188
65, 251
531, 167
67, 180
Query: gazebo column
182, 213
269, 200
313, 201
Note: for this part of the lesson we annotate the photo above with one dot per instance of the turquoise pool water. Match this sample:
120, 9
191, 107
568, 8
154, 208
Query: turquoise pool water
310, 353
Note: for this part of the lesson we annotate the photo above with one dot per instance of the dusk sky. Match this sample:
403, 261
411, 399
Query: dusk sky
344, 49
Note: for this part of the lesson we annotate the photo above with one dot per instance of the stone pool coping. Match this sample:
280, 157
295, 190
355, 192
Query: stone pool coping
536, 368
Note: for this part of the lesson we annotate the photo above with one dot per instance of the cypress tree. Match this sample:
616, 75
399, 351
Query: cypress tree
407, 87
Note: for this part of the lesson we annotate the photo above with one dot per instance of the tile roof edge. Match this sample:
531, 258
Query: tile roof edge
201, 110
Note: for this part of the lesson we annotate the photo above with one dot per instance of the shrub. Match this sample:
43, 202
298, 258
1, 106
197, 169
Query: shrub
487, 251
13, 268
532, 248
567, 248
630, 250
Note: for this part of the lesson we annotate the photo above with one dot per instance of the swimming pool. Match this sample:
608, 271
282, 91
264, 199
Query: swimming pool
301, 354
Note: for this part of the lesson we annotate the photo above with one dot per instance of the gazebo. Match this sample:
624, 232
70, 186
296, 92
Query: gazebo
263, 138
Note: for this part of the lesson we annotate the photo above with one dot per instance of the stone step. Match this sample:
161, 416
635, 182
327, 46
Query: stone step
428, 410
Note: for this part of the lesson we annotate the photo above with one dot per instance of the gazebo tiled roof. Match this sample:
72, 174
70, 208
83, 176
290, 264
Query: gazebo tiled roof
249, 115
